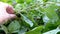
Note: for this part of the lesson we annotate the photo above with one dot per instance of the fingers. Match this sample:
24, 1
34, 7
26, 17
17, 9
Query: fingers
6, 12
12, 16
6, 18
9, 9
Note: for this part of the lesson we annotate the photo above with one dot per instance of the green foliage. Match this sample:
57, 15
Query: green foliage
36, 30
50, 13
55, 31
45, 0
14, 26
34, 17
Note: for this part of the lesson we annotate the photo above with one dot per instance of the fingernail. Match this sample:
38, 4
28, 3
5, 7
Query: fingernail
10, 10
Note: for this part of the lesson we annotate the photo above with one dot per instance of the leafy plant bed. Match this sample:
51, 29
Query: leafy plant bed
34, 17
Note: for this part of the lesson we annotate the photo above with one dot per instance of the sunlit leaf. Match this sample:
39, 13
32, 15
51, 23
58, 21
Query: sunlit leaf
52, 31
27, 20
36, 30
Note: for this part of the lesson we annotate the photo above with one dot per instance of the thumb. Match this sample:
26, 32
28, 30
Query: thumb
12, 16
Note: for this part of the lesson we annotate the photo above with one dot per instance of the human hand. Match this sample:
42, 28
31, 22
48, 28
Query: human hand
6, 12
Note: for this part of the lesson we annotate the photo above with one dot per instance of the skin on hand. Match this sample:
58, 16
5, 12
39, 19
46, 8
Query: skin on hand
6, 12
